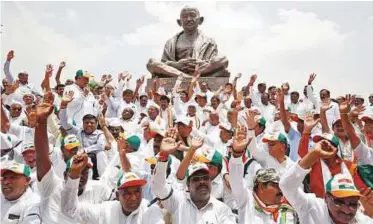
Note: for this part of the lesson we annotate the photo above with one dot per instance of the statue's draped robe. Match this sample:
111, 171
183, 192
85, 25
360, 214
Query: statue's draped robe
204, 48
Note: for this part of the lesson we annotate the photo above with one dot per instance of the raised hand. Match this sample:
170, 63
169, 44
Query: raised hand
48, 71
196, 74
358, 110
62, 64
101, 120
280, 96
325, 150
44, 109
345, 105
122, 145
311, 78
250, 119
367, 201
66, 99
10, 55
325, 106
79, 163
169, 144
309, 123
240, 140
253, 79
197, 142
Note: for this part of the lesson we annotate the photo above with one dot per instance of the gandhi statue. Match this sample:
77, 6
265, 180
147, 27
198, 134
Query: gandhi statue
189, 50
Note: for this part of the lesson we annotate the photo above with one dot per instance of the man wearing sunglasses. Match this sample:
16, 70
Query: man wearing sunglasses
341, 204
197, 206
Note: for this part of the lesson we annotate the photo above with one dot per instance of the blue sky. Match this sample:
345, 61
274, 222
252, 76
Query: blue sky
280, 41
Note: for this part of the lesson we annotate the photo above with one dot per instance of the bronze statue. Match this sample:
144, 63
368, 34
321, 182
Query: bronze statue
189, 50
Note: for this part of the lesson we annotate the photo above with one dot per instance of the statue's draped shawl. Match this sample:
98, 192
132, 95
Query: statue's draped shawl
204, 48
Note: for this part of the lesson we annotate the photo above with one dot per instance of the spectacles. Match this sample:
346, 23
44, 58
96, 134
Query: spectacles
200, 178
11, 178
339, 203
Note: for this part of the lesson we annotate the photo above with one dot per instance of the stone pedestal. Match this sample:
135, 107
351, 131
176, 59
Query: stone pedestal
213, 82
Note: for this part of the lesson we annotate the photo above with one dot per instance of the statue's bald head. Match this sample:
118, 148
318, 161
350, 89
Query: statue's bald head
190, 19
188, 9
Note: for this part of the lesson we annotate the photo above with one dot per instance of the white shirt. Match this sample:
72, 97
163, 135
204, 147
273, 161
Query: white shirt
105, 212
310, 209
182, 208
17, 207
267, 111
50, 188
245, 199
81, 104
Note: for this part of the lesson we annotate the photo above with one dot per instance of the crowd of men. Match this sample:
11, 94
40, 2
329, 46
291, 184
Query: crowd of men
97, 151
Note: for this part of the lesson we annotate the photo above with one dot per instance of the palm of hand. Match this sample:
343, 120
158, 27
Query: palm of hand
168, 145
344, 107
43, 110
240, 143
197, 143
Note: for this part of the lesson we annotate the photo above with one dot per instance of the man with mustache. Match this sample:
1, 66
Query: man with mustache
341, 203
263, 204
16, 195
197, 206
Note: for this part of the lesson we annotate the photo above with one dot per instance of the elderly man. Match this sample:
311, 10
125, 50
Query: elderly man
196, 207
16, 195
189, 50
130, 208
342, 198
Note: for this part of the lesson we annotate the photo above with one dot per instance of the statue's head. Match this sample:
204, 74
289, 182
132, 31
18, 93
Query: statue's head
190, 19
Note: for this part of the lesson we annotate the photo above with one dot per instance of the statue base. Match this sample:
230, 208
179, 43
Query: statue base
213, 82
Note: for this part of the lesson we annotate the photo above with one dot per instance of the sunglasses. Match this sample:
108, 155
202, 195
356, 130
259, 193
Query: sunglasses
17, 108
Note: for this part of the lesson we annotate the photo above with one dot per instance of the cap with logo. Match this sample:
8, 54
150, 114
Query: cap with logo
327, 136
28, 147
209, 155
274, 136
70, 142
341, 186
196, 167
81, 73
266, 175
15, 167
130, 179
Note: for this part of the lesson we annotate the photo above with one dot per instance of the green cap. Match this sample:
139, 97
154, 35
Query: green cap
15, 167
275, 136
134, 141
208, 155
327, 136
81, 73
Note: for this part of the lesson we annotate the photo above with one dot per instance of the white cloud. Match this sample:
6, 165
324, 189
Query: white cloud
36, 45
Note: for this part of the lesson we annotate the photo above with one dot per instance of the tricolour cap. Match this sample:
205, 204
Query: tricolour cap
327, 136
341, 186
196, 167
28, 147
81, 73
275, 136
209, 155
130, 179
70, 142
15, 167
